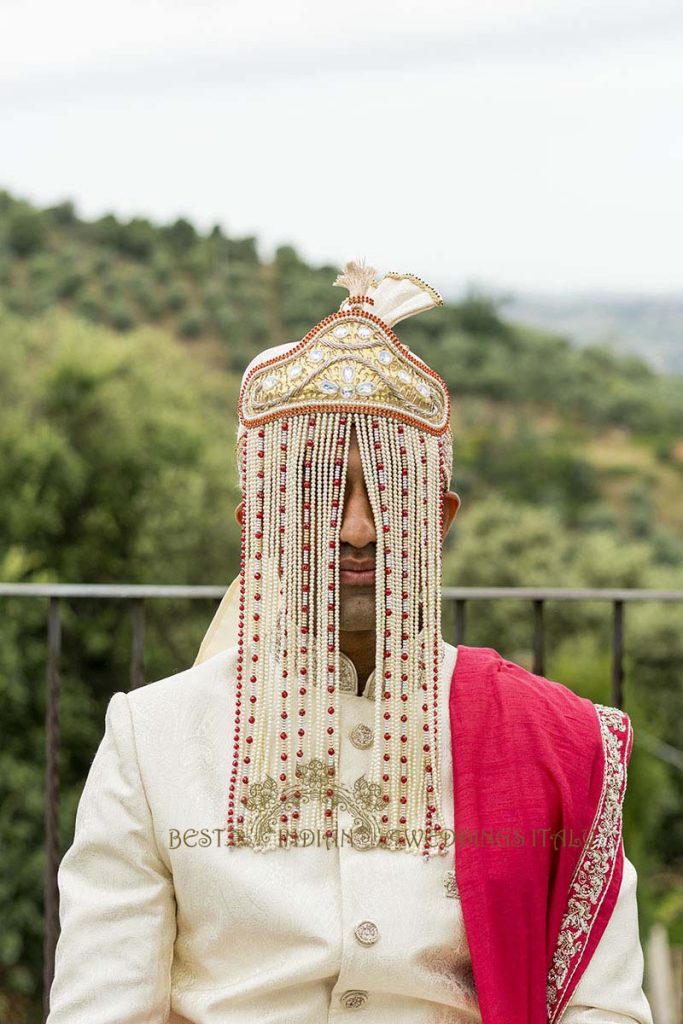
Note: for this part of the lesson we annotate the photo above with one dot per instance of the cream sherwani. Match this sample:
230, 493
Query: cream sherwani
162, 923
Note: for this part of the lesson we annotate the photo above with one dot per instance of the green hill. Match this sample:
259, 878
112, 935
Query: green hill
536, 417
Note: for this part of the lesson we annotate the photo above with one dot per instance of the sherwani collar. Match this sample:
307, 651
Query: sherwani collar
348, 676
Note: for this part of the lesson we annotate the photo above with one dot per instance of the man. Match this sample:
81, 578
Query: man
335, 814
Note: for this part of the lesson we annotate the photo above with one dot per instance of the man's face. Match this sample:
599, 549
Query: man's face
357, 545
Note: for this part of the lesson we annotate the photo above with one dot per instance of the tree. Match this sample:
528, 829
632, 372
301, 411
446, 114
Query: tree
180, 235
26, 230
116, 464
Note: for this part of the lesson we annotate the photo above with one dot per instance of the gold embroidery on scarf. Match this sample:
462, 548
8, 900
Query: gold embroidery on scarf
596, 864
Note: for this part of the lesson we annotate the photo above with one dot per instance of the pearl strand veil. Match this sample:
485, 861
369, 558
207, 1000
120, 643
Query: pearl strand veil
298, 405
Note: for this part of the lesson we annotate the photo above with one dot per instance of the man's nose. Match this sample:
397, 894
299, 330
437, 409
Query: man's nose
358, 523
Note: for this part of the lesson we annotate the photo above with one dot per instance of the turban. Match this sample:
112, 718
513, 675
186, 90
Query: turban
298, 405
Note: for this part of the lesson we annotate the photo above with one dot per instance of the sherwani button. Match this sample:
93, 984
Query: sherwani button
362, 736
354, 998
366, 932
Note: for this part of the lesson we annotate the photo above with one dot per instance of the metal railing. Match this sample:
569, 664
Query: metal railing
137, 595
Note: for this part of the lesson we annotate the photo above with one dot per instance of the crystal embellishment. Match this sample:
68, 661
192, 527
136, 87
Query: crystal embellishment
348, 392
366, 388
294, 370
341, 331
364, 332
384, 356
269, 382
328, 387
348, 373
424, 390
450, 884
316, 355
404, 377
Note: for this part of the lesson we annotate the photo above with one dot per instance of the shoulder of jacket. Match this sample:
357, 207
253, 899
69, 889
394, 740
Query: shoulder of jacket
190, 684
531, 699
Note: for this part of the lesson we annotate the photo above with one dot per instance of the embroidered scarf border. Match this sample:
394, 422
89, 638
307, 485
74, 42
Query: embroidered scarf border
595, 867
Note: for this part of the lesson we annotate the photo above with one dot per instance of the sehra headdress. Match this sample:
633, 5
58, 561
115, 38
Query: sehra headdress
298, 404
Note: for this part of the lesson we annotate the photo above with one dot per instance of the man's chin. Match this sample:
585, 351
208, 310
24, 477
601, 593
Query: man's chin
357, 608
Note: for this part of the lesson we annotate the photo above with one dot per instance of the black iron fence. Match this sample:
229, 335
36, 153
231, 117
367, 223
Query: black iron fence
136, 596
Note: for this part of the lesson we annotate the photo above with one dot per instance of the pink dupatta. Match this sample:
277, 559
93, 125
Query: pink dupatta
539, 779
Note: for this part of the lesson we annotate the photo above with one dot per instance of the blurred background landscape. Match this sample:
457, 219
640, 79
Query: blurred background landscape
122, 344
180, 185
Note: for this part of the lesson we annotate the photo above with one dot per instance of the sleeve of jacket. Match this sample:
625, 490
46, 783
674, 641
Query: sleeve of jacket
117, 903
610, 990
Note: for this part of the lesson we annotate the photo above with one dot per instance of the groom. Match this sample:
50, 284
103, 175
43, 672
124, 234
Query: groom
324, 702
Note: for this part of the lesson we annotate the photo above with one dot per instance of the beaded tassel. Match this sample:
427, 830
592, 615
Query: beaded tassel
402, 475
293, 473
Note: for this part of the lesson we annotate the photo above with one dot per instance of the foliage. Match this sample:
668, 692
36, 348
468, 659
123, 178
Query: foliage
114, 465
121, 348
125, 273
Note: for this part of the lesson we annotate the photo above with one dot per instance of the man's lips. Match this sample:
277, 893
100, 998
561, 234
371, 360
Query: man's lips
357, 573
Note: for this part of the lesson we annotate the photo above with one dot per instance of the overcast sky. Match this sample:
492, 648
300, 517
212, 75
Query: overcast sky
514, 144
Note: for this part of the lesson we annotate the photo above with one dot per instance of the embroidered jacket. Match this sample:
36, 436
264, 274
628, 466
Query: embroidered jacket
162, 924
